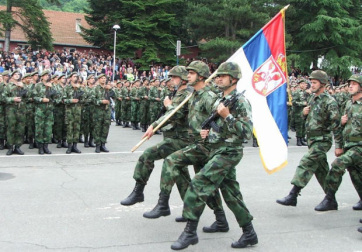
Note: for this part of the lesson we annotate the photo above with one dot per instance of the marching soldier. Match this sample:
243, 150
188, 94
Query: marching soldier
14, 96
73, 109
44, 95
322, 117
351, 158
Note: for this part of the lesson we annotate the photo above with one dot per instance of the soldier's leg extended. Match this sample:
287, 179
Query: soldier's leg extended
314, 162
355, 172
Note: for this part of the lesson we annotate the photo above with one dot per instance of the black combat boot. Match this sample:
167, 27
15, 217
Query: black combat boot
144, 128
70, 147
125, 125
81, 140
31, 143
2, 144
220, 225
104, 148
54, 140
328, 203
75, 148
98, 148
303, 141
133, 124
135, 196
10, 151
255, 143
249, 237
18, 151
299, 141
161, 209
86, 141
59, 145
291, 199
91, 142
36, 145
137, 126
64, 144
41, 149
358, 205
46, 150
180, 219
188, 236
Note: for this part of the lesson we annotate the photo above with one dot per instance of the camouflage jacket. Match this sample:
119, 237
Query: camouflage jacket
142, 92
40, 91
134, 94
323, 118
299, 98
154, 93
71, 93
99, 94
125, 93
59, 99
235, 127
352, 131
11, 91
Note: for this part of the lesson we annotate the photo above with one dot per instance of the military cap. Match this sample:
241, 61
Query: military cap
229, 68
101, 75
199, 67
356, 78
319, 75
44, 73
73, 73
5, 73
27, 75
90, 76
302, 80
54, 76
34, 73
119, 81
61, 76
14, 72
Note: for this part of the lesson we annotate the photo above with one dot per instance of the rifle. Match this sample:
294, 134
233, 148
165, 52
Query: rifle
210, 121
108, 94
21, 92
50, 93
77, 94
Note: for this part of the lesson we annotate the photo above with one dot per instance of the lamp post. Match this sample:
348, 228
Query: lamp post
115, 28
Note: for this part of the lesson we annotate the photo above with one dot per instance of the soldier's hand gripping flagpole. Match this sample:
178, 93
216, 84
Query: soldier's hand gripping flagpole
168, 116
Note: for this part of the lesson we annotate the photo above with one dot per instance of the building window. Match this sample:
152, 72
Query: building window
77, 25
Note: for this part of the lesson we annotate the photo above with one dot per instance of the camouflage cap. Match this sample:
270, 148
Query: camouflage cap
302, 80
6, 73
229, 68
179, 71
45, 73
199, 67
54, 76
26, 75
319, 75
61, 76
73, 73
90, 76
356, 78
101, 75
34, 73
14, 72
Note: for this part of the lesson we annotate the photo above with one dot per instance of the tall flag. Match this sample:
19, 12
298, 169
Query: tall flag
264, 77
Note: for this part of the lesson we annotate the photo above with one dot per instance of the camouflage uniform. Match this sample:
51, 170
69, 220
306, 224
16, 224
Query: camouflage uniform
135, 105
299, 102
30, 114
126, 106
155, 105
2, 113
59, 128
118, 106
101, 115
144, 106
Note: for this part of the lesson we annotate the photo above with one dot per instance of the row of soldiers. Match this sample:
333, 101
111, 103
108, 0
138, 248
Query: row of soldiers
300, 94
37, 108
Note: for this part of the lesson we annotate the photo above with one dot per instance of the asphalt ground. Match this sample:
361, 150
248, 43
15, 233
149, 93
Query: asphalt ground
63, 202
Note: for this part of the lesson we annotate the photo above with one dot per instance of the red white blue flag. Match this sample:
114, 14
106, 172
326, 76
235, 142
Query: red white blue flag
264, 77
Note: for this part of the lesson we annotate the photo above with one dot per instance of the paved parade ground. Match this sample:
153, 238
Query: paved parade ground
63, 202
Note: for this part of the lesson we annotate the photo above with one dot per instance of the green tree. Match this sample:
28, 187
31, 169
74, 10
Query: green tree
77, 6
147, 26
30, 18
326, 29
224, 26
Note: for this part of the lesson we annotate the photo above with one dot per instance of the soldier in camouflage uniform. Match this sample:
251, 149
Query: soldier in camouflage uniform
199, 107
102, 94
225, 152
87, 112
118, 101
322, 117
143, 93
300, 102
44, 95
126, 104
60, 128
30, 107
6, 77
14, 95
135, 105
175, 138
352, 151
72, 98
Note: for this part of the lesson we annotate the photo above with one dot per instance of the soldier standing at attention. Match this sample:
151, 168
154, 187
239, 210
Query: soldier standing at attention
6, 77
350, 160
322, 117
118, 101
72, 99
144, 105
44, 96
126, 104
60, 128
135, 105
102, 111
29, 114
14, 95
300, 102
87, 113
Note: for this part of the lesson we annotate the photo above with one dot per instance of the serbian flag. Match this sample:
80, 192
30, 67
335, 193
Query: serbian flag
264, 77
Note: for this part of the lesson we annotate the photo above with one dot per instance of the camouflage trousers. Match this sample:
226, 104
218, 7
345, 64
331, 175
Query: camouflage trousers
144, 112
299, 121
135, 116
59, 128
73, 118
174, 167
350, 160
146, 162
126, 111
154, 110
314, 162
118, 109
30, 123
87, 119
2, 122
218, 173
291, 121
16, 124
44, 120
102, 123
